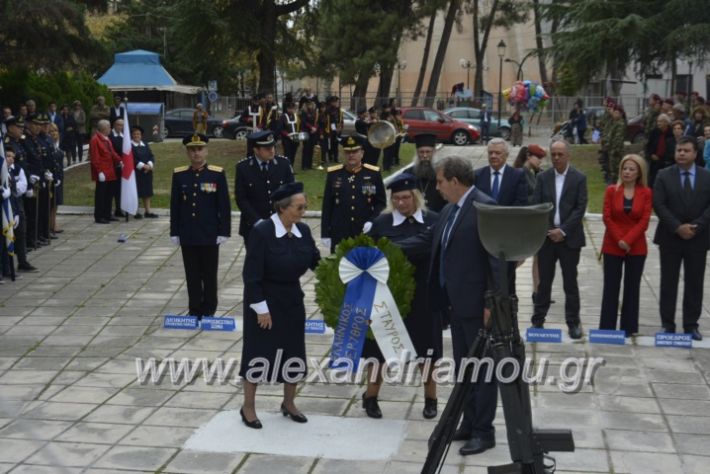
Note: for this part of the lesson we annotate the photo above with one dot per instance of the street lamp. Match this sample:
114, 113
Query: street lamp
400, 66
501, 53
519, 74
468, 65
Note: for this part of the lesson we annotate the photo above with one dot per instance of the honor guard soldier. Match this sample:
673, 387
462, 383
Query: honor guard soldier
257, 177
200, 220
354, 194
424, 171
37, 207
334, 126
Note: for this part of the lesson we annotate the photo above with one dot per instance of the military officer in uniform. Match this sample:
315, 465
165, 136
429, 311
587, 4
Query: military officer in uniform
354, 195
424, 171
257, 177
200, 221
37, 207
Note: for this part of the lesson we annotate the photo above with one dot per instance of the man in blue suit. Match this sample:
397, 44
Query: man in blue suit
505, 184
461, 271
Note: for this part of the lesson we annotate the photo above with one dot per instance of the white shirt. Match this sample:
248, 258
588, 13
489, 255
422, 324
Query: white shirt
398, 218
500, 176
559, 185
279, 230
140, 143
115, 134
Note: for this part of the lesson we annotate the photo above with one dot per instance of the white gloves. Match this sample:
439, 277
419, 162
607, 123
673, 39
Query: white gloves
366, 228
30, 194
5, 193
326, 242
17, 222
102, 177
34, 178
58, 182
140, 165
48, 176
221, 239
175, 240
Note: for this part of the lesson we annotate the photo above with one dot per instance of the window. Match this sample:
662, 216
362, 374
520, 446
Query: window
413, 115
458, 114
431, 116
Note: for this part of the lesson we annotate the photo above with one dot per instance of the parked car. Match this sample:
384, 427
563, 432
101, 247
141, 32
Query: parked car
473, 116
178, 123
235, 128
426, 120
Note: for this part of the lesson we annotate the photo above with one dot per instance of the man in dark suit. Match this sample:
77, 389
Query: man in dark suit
505, 184
257, 177
116, 111
566, 188
423, 169
460, 273
681, 199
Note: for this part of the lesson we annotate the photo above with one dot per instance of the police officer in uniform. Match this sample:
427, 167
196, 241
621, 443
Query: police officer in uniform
424, 171
36, 207
354, 194
200, 221
257, 177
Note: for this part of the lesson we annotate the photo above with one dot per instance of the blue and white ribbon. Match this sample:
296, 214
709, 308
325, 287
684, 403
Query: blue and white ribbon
368, 302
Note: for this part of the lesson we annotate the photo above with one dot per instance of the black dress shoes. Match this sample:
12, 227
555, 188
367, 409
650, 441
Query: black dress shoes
538, 324
462, 434
26, 267
575, 331
297, 417
669, 330
430, 410
372, 408
102, 221
151, 215
119, 214
113, 219
476, 445
138, 216
256, 424
695, 334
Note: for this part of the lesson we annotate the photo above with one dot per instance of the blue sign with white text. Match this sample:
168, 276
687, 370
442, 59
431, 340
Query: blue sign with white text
172, 321
607, 336
218, 324
665, 339
543, 335
315, 326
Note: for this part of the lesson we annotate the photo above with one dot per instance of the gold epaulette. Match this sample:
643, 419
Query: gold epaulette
371, 167
216, 168
335, 168
180, 169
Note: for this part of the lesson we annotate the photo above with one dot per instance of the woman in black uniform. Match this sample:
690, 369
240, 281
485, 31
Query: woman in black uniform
144, 162
279, 251
408, 217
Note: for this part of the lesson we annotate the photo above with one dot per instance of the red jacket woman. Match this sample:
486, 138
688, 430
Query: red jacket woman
627, 210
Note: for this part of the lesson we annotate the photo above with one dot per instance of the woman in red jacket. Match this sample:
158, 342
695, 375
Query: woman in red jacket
627, 209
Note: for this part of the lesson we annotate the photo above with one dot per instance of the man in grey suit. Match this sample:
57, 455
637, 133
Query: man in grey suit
566, 188
681, 199
460, 273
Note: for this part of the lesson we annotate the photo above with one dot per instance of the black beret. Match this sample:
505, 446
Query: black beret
402, 182
287, 190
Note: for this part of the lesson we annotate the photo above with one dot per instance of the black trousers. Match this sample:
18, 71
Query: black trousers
388, 157
290, 149
480, 408
102, 200
371, 155
632, 268
307, 153
201, 263
397, 144
547, 258
31, 221
693, 261
117, 189
333, 147
21, 234
43, 206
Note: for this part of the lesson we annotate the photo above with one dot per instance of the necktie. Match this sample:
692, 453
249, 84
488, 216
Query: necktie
496, 185
445, 241
687, 187
264, 166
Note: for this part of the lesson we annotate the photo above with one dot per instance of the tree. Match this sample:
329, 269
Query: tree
425, 59
537, 18
453, 9
36, 34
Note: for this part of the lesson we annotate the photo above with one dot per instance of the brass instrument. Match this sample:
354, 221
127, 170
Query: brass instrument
381, 134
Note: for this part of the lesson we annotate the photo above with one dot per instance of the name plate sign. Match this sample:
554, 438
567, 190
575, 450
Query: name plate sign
315, 326
607, 336
543, 335
665, 339
172, 321
218, 324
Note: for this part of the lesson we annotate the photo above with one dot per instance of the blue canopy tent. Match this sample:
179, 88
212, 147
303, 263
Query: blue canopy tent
139, 75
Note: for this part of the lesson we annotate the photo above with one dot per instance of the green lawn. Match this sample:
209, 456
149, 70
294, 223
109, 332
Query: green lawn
79, 189
584, 158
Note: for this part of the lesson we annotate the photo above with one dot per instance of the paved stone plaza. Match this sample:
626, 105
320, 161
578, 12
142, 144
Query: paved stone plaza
70, 401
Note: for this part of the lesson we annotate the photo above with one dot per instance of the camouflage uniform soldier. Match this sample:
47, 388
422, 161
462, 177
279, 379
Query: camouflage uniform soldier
615, 142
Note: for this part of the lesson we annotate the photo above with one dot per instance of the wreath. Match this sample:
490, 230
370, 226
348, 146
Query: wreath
330, 290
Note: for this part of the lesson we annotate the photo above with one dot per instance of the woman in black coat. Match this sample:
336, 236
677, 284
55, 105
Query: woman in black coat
144, 161
279, 251
408, 218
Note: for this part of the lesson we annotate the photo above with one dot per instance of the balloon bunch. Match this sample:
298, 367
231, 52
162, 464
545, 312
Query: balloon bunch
526, 95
